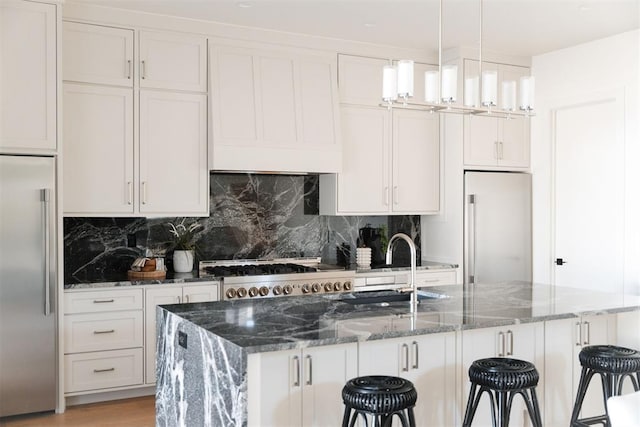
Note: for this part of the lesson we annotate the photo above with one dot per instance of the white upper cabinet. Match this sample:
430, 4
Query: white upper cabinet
98, 172
173, 61
496, 143
173, 153
391, 164
131, 150
28, 51
360, 80
96, 54
274, 110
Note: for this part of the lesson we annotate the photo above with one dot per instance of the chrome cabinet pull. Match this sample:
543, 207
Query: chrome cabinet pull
129, 192
496, 150
395, 195
510, 343
143, 70
587, 334
104, 370
578, 334
308, 361
501, 150
405, 350
415, 355
103, 301
178, 300
186, 298
144, 192
501, 344
386, 196
46, 198
129, 69
296, 371
110, 331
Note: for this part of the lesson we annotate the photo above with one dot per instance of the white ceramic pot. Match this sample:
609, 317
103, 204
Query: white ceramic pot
182, 261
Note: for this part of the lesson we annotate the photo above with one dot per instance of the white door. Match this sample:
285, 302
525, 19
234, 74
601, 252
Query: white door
27, 76
98, 150
363, 184
153, 298
589, 193
173, 153
173, 61
416, 162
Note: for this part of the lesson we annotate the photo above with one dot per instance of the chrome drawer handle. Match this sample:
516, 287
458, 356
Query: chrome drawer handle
102, 301
97, 371
110, 331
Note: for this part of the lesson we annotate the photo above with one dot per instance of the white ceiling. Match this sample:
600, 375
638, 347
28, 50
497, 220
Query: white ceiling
515, 27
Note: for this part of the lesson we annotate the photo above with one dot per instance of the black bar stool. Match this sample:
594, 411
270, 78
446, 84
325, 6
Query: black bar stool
502, 378
381, 397
613, 364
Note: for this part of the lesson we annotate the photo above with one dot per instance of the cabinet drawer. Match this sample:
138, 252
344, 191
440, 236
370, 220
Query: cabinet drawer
101, 301
436, 278
102, 331
93, 371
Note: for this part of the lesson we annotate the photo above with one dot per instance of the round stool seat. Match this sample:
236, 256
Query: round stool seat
610, 358
503, 373
379, 394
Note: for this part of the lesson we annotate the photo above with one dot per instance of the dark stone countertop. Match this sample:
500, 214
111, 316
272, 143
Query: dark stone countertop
121, 280
297, 322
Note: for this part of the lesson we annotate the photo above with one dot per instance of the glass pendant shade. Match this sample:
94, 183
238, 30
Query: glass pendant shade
489, 88
389, 83
449, 83
471, 89
509, 95
405, 78
527, 90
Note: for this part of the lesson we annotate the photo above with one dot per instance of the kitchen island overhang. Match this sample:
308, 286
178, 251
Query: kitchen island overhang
204, 349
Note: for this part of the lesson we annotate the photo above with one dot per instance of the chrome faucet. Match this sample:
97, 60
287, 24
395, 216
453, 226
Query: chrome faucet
412, 248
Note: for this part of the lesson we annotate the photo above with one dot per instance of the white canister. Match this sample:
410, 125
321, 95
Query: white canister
363, 257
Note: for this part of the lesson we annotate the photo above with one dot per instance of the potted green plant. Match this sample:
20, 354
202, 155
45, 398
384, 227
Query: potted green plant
183, 245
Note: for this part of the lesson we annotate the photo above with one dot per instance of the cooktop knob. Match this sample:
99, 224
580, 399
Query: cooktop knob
315, 287
347, 286
328, 287
264, 291
253, 291
287, 289
231, 293
306, 288
337, 286
242, 292
277, 290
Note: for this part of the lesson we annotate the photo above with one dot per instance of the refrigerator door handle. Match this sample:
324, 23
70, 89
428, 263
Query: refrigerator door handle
46, 197
472, 238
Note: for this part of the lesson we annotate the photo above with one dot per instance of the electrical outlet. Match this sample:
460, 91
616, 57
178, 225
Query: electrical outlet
182, 339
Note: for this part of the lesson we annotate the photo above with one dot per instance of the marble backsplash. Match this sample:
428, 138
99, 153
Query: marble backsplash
251, 216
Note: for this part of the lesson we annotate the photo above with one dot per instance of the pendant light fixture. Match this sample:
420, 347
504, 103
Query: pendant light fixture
480, 95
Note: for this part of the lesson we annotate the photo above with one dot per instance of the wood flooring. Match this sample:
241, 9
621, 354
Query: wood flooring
137, 412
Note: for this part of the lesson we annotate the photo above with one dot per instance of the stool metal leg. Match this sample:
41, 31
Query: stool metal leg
585, 379
472, 405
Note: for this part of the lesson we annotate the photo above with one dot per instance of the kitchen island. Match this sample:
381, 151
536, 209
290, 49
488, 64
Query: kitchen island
211, 356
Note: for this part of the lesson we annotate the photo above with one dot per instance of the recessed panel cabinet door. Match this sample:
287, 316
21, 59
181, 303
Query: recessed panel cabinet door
98, 150
363, 185
173, 61
97, 54
278, 100
173, 153
28, 76
416, 162
319, 111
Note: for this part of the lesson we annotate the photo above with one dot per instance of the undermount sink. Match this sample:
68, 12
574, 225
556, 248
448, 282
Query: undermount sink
386, 298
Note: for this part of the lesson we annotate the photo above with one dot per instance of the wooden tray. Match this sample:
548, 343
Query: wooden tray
142, 275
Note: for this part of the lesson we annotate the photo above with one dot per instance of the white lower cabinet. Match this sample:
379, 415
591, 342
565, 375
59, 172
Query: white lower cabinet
300, 387
103, 340
524, 341
426, 360
159, 295
564, 339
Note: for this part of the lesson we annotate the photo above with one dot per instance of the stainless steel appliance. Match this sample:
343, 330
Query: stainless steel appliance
278, 277
497, 234
27, 285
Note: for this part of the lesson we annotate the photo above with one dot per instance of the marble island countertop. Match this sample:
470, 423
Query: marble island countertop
298, 322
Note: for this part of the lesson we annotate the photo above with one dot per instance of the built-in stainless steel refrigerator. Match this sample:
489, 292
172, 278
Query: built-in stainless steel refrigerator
497, 227
27, 285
